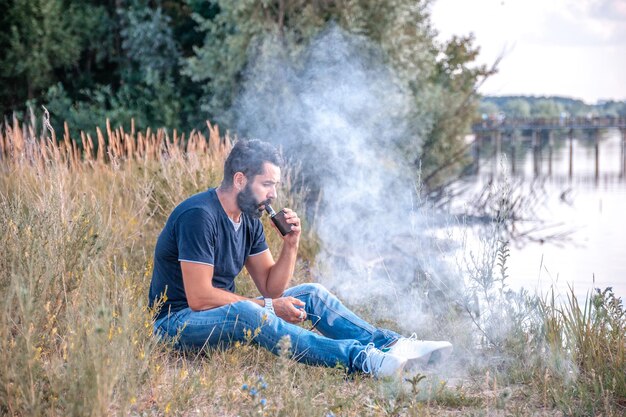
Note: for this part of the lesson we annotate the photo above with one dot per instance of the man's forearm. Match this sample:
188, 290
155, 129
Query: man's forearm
282, 271
219, 297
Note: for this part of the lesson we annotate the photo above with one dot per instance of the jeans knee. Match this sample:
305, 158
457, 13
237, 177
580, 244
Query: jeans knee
313, 288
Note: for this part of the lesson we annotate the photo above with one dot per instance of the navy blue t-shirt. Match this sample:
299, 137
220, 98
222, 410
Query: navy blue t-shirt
199, 231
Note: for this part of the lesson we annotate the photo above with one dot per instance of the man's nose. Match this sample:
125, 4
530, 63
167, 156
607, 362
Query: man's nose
272, 193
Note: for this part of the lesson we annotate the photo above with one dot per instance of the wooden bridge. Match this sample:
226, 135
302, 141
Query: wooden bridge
543, 132
504, 124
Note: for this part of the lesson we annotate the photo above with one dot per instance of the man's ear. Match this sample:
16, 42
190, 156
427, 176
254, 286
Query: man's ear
239, 180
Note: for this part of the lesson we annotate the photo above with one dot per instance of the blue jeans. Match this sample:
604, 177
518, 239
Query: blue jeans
343, 337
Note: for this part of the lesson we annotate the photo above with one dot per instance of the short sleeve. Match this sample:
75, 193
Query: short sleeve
195, 237
258, 239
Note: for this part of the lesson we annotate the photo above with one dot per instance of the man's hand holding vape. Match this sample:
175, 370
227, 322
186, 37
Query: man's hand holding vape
293, 237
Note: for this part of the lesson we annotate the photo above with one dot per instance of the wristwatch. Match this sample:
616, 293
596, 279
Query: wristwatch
269, 305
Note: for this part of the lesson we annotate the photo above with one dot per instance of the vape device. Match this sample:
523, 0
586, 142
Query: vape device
278, 219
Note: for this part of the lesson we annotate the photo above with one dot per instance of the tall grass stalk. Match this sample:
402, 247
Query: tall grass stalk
587, 344
77, 225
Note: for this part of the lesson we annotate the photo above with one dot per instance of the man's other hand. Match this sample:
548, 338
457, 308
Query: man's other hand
285, 308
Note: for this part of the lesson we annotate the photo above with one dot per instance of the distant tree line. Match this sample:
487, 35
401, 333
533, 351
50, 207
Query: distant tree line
548, 107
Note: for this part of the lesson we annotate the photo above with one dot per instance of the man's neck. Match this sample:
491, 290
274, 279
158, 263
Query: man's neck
228, 200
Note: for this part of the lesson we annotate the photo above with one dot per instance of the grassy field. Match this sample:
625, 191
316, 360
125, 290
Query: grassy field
78, 230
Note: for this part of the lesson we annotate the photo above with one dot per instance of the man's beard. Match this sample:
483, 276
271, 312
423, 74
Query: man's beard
248, 204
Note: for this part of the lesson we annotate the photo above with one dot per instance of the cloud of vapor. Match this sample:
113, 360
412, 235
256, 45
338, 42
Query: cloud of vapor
343, 114
339, 111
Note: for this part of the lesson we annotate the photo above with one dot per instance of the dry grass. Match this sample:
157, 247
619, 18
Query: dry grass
78, 227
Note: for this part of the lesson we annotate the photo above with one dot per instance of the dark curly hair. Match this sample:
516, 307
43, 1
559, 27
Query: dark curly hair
248, 157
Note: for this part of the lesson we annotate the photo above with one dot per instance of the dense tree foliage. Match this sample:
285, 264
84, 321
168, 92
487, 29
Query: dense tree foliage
438, 77
38, 37
176, 64
91, 60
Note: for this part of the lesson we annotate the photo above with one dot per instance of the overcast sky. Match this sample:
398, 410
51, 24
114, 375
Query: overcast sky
572, 48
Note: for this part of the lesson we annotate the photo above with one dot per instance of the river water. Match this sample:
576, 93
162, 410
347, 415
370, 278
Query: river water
582, 240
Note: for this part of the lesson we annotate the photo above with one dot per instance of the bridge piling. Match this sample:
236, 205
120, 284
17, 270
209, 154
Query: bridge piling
550, 149
536, 153
513, 139
571, 153
623, 131
596, 144
497, 137
479, 137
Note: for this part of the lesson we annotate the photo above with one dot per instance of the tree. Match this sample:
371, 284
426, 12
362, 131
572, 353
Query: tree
219, 63
38, 37
438, 76
518, 108
136, 77
445, 152
148, 65
547, 108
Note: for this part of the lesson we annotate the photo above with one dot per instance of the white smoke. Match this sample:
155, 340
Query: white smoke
346, 117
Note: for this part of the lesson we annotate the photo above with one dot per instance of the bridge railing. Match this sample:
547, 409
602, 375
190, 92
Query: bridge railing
500, 123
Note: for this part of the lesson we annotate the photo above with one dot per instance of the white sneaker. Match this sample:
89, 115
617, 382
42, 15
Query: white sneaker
381, 364
420, 352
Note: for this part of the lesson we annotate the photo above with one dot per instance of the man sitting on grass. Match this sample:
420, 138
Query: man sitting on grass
206, 242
